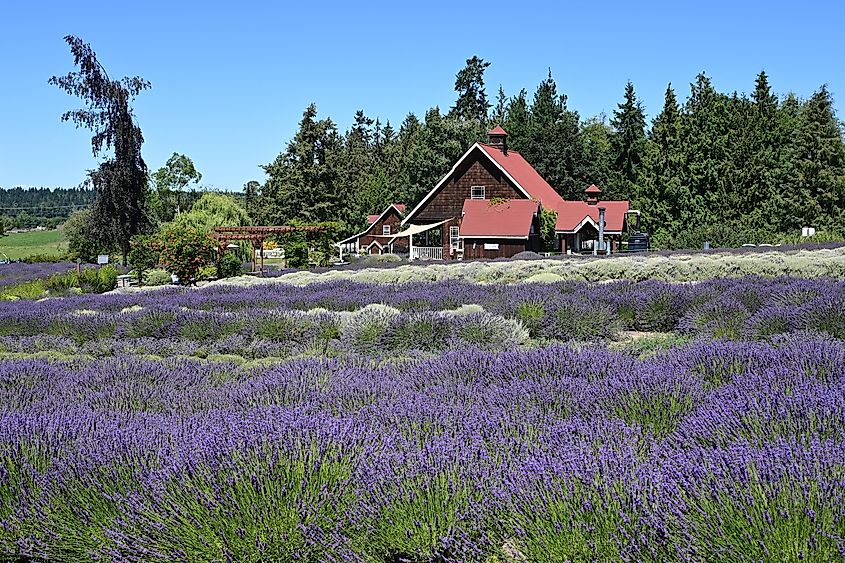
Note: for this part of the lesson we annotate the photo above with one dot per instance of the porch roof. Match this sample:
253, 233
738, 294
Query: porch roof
572, 215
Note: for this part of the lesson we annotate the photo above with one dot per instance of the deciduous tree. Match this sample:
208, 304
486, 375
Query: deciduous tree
169, 182
119, 210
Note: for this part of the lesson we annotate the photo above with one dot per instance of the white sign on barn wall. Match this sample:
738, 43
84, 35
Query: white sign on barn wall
491, 246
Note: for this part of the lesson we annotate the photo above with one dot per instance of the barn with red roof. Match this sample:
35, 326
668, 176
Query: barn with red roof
377, 237
489, 206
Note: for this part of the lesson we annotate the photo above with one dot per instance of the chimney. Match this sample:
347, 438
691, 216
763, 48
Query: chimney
601, 232
498, 137
593, 193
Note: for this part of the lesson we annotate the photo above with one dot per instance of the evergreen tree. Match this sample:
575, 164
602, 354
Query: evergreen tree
662, 183
629, 135
472, 101
500, 109
553, 143
766, 102
816, 179
302, 181
597, 144
252, 199
518, 121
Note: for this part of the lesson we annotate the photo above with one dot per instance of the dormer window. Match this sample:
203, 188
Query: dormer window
385, 229
476, 192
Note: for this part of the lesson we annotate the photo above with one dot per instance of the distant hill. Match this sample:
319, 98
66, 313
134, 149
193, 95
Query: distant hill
46, 207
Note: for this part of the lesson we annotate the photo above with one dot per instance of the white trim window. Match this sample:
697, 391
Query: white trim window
455, 237
385, 229
476, 192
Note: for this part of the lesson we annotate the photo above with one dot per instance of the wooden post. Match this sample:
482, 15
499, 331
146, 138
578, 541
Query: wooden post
252, 242
261, 250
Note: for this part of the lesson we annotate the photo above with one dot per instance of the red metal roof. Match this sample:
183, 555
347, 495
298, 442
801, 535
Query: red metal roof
593, 189
570, 214
511, 218
525, 176
400, 207
373, 218
497, 130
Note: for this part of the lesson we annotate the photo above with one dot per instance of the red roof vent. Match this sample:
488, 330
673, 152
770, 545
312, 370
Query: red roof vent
498, 138
593, 194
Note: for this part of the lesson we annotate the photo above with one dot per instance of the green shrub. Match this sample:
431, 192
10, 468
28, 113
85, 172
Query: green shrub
382, 258
52, 258
296, 249
106, 279
89, 280
228, 266
157, 277
207, 272
28, 290
143, 255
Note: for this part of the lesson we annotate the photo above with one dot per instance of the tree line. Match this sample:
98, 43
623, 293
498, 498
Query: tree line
725, 168
26, 208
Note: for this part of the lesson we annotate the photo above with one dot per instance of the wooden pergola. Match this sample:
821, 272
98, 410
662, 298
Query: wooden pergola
257, 235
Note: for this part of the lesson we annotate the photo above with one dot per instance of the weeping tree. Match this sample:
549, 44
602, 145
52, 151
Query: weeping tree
120, 182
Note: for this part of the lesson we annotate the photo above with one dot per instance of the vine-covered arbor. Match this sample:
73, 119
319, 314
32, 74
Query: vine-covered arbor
257, 236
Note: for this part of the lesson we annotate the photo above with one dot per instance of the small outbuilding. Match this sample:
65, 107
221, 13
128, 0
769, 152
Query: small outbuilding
378, 237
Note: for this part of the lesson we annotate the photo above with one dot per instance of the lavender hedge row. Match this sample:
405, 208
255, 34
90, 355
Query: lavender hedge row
19, 272
343, 317
717, 451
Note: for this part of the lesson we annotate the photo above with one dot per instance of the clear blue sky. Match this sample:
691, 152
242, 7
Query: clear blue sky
230, 80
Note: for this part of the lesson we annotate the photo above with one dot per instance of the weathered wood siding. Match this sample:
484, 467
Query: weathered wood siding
474, 248
391, 218
475, 170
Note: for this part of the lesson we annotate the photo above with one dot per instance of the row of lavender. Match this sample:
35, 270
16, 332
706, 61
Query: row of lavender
20, 272
339, 318
724, 451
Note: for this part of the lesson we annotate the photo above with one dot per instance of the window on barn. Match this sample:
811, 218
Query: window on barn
455, 237
385, 229
477, 192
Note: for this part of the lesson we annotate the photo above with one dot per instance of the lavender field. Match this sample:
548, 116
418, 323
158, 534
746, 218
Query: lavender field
19, 272
425, 422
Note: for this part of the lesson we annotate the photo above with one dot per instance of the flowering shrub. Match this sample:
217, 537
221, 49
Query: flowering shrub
184, 251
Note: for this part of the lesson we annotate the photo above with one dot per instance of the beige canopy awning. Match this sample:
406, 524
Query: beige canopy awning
412, 230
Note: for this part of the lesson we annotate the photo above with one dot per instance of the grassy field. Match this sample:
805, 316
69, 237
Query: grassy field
21, 245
